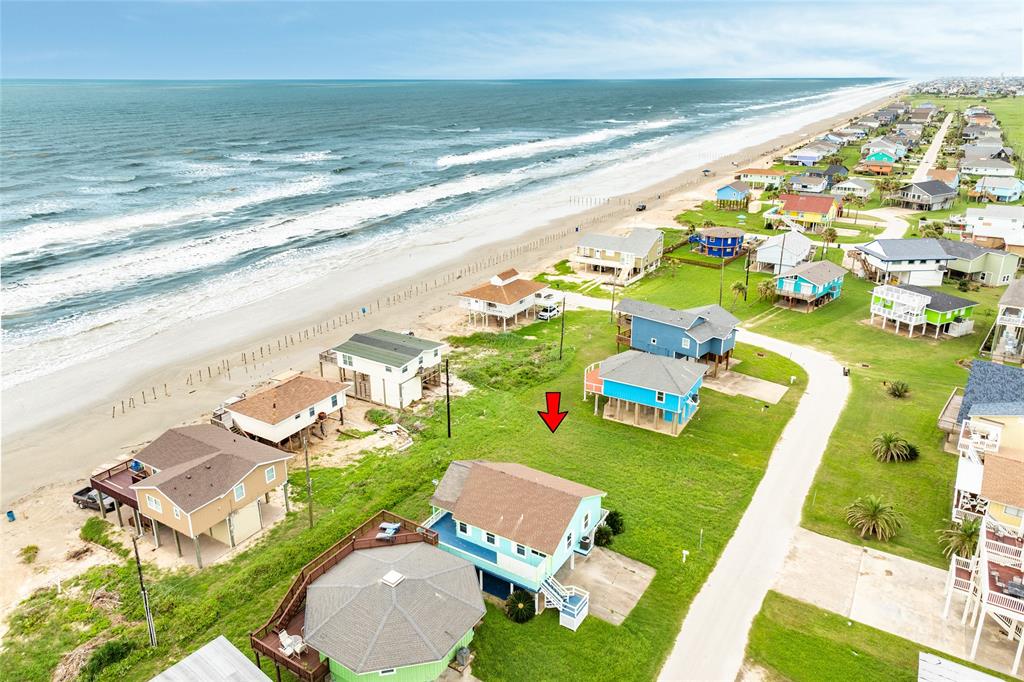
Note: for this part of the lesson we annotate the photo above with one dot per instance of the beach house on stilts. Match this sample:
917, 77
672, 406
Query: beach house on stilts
504, 297
917, 307
518, 526
989, 490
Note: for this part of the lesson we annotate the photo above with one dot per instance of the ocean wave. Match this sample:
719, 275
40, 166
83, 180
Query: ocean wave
300, 158
35, 237
534, 147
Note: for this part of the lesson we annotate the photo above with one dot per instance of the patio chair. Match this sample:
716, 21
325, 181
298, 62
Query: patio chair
386, 535
287, 647
298, 644
385, 526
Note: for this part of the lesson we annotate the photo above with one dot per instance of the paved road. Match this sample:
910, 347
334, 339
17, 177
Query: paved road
713, 638
921, 173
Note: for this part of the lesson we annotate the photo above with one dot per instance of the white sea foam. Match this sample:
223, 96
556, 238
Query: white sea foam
34, 237
527, 149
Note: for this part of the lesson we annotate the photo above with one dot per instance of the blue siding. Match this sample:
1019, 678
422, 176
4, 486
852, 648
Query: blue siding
728, 193
669, 340
804, 287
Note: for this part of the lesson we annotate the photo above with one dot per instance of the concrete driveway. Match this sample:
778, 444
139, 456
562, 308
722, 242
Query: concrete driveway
900, 596
615, 582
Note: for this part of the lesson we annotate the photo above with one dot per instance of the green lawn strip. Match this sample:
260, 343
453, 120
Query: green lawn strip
752, 222
669, 489
801, 642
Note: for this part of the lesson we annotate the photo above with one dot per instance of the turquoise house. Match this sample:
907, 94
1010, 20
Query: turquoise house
999, 188
812, 284
734, 195
518, 526
706, 333
654, 392
881, 156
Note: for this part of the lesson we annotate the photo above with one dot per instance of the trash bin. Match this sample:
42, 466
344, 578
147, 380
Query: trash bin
10, 515
846, 371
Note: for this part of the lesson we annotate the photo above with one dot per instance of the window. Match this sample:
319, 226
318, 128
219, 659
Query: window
154, 504
346, 360
520, 550
659, 396
654, 341
176, 512
405, 369
270, 473
542, 555
298, 416
1014, 511
586, 520
334, 401
387, 369
435, 352
389, 671
239, 491
491, 540
686, 342
463, 528
312, 411
568, 541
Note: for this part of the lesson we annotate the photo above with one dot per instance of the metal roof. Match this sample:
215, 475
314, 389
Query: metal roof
640, 241
905, 249
215, 660
654, 372
386, 347
365, 624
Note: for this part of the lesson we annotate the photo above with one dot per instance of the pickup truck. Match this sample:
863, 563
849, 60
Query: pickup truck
87, 498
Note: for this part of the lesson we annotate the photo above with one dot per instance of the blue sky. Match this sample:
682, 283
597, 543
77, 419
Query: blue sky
507, 40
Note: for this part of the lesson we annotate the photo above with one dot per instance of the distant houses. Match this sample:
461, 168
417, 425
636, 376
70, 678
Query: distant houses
902, 261
832, 173
720, 242
762, 177
504, 297
811, 284
387, 368
806, 211
992, 267
857, 187
780, 253
991, 167
950, 176
735, 195
706, 333
809, 183
918, 308
876, 167
1008, 332
625, 258
810, 154
928, 195
656, 392
518, 526
997, 189
997, 227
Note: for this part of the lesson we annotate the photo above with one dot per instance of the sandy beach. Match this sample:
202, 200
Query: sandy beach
175, 377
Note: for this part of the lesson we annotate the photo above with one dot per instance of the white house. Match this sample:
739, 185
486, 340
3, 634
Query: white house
997, 227
856, 186
504, 297
762, 177
289, 404
809, 183
920, 262
386, 367
780, 253
627, 258
993, 167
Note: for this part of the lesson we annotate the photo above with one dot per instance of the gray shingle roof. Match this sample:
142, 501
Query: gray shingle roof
1014, 294
654, 372
386, 347
717, 322
215, 660
966, 250
933, 188
366, 625
863, 184
818, 272
940, 302
639, 242
990, 384
905, 249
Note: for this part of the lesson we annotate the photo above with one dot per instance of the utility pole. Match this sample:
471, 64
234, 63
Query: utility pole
561, 339
309, 481
746, 269
448, 396
611, 311
721, 282
145, 595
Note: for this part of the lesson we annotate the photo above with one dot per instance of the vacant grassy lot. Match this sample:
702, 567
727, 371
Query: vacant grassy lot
669, 489
800, 642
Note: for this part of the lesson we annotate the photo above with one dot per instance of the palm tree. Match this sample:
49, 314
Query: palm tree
766, 290
738, 289
871, 516
707, 222
960, 540
899, 389
890, 447
828, 235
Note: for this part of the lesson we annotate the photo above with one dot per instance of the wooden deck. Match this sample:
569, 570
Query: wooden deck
290, 614
948, 417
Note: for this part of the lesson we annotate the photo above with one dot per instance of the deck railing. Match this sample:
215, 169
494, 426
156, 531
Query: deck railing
898, 315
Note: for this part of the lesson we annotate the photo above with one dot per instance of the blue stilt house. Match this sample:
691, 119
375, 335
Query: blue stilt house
706, 333
734, 195
650, 391
812, 284
518, 526
720, 242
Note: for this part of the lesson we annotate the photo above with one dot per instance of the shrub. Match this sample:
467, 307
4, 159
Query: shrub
898, 389
379, 417
519, 606
890, 447
28, 553
615, 521
962, 285
960, 539
97, 531
105, 655
603, 536
912, 453
871, 516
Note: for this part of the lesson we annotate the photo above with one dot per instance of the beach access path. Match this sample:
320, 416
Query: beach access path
928, 160
713, 640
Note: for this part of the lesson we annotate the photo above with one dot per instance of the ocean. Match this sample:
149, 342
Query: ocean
128, 207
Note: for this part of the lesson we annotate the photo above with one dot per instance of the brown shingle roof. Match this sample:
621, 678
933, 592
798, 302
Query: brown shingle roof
506, 293
721, 232
198, 464
804, 203
525, 505
946, 175
1003, 479
278, 402
508, 274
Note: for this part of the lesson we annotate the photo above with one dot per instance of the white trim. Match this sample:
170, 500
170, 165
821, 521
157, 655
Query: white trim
270, 474
154, 504
234, 490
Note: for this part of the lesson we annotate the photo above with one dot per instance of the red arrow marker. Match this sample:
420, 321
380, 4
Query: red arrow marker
552, 417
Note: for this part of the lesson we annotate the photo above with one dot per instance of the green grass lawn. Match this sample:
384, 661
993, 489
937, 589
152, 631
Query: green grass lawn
669, 489
796, 641
753, 222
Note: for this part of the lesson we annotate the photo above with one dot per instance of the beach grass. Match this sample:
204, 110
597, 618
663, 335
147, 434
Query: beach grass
712, 465
796, 641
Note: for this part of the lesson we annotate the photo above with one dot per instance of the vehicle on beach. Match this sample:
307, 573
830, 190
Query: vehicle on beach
641, 207
87, 498
549, 312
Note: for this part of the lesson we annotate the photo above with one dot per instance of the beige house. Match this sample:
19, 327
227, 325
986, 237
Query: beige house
505, 297
197, 480
625, 259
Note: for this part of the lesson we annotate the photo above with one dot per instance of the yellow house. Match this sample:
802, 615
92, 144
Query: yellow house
812, 212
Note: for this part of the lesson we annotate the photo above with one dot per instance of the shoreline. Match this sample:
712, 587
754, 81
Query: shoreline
35, 454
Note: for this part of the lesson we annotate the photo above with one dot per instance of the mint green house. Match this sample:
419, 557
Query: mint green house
991, 267
812, 284
518, 526
915, 307
881, 156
